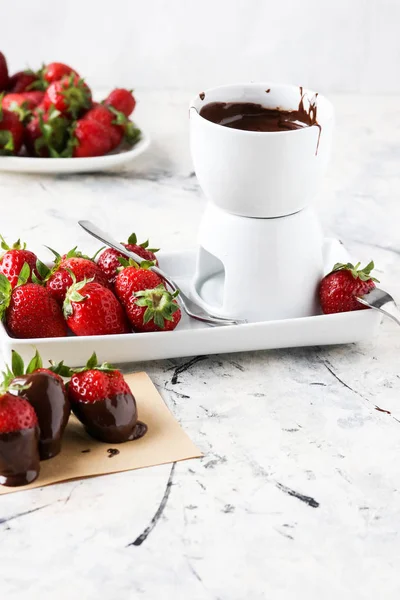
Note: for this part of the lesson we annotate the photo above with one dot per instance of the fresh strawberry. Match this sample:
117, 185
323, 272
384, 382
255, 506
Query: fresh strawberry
4, 79
20, 104
56, 71
29, 310
70, 95
91, 309
132, 279
35, 97
339, 289
47, 133
106, 117
19, 437
59, 278
153, 310
11, 132
109, 260
102, 400
22, 81
90, 138
122, 100
14, 258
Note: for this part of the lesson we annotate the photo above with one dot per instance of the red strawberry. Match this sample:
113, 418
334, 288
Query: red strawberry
90, 138
339, 289
11, 132
19, 437
47, 133
104, 403
15, 414
109, 262
29, 310
132, 279
4, 79
103, 115
70, 95
153, 310
35, 97
14, 258
91, 309
59, 279
22, 81
122, 100
56, 71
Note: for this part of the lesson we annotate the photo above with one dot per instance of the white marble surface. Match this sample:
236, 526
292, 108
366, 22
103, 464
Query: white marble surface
272, 425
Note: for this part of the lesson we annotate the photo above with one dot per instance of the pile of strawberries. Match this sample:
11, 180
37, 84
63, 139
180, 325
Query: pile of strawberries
83, 296
50, 113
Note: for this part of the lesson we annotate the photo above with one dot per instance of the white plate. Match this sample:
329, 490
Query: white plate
26, 164
194, 338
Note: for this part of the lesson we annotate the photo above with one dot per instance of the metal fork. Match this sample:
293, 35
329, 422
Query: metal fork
191, 308
377, 298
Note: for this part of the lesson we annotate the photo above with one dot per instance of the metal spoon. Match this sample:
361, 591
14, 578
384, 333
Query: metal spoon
377, 298
191, 308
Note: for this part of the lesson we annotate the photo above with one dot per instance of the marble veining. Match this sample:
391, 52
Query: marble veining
298, 493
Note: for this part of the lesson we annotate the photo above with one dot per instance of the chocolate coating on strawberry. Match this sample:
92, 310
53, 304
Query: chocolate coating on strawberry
19, 457
103, 402
19, 435
48, 397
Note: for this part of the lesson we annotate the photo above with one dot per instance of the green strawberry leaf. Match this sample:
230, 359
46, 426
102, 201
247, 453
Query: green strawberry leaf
92, 362
17, 364
60, 369
42, 269
24, 274
35, 363
132, 239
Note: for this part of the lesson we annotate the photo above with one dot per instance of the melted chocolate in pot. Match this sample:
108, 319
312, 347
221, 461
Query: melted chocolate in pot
250, 116
19, 457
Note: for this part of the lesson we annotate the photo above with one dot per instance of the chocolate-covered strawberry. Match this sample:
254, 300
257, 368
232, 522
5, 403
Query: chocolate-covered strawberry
19, 435
45, 391
103, 402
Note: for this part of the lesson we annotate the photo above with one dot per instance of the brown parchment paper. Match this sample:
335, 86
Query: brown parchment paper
165, 442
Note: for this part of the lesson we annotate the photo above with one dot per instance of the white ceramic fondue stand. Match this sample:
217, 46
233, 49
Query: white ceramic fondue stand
260, 244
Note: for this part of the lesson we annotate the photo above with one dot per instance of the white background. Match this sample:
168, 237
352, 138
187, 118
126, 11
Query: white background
329, 45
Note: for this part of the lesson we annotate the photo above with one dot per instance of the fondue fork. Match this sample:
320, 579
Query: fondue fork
377, 298
192, 309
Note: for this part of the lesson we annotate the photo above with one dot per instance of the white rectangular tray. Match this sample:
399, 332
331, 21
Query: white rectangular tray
194, 338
